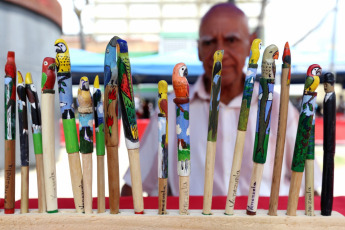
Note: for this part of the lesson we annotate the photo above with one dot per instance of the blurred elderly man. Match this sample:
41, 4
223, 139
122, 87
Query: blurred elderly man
224, 27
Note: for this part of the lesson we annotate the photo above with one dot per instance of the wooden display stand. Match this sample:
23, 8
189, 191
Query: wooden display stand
69, 219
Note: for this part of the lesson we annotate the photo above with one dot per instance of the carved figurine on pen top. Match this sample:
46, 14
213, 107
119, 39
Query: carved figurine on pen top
329, 127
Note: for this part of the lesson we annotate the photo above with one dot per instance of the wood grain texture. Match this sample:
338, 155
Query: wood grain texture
100, 184
48, 142
42, 205
235, 172
77, 181
10, 173
209, 174
279, 154
254, 188
137, 188
87, 181
162, 195
113, 178
66, 220
309, 187
24, 201
184, 195
295, 185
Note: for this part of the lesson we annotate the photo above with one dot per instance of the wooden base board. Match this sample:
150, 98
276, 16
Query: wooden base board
69, 219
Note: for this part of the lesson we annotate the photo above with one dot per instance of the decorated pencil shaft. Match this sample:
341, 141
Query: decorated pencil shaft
98, 113
282, 122
48, 137
111, 124
10, 132
242, 125
262, 125
36, 128
162, 146
329, 121
68, 120
129, 121
181, 89
24, 144
85, 110
309, 173
303, 135
212, 130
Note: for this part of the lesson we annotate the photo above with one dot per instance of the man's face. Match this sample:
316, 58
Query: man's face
228, 32
328, 87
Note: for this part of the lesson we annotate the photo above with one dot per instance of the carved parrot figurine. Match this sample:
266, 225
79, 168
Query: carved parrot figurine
255, 51
312, 80
48, 73
62, 56
268, 67
180, 83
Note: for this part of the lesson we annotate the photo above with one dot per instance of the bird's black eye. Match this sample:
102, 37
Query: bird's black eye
45, 63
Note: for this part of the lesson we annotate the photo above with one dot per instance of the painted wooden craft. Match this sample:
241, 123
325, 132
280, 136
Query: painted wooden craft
98, 113
181, 88
48, 137
24, 143
212, 130
64, 77
329, 121
162, 146
10, 132
111, 124
282, 122
129, 121
242, 125
267, 79
303, 135
85, 110
36, 128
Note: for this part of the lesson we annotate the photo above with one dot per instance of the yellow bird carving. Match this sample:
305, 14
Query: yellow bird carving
255, 51
62, 56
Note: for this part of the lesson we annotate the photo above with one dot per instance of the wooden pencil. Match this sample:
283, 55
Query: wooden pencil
36, 128
263, 125
24, 143
111, 124
68, 120
10, 133
85, 110
181, 89
48, 135
129, 122
303, 135
329, 127
309, 173
162, 146
98, 113
242, 125
282, 122
212, 131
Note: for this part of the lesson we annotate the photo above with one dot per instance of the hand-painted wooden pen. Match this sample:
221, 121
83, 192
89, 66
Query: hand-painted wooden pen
181, 88
48, 131
263, 125
98, 113
36, 128
162, 146
242, 125
10, 133
303, 135
24, 143
282, 122
129, 121
111, 124
329, 121
68, 120
212, 131
85, 110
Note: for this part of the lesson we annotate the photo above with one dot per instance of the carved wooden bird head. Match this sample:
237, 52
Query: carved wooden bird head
179, 80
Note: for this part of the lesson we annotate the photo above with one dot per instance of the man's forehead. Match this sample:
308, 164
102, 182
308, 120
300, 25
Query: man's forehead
209, 36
